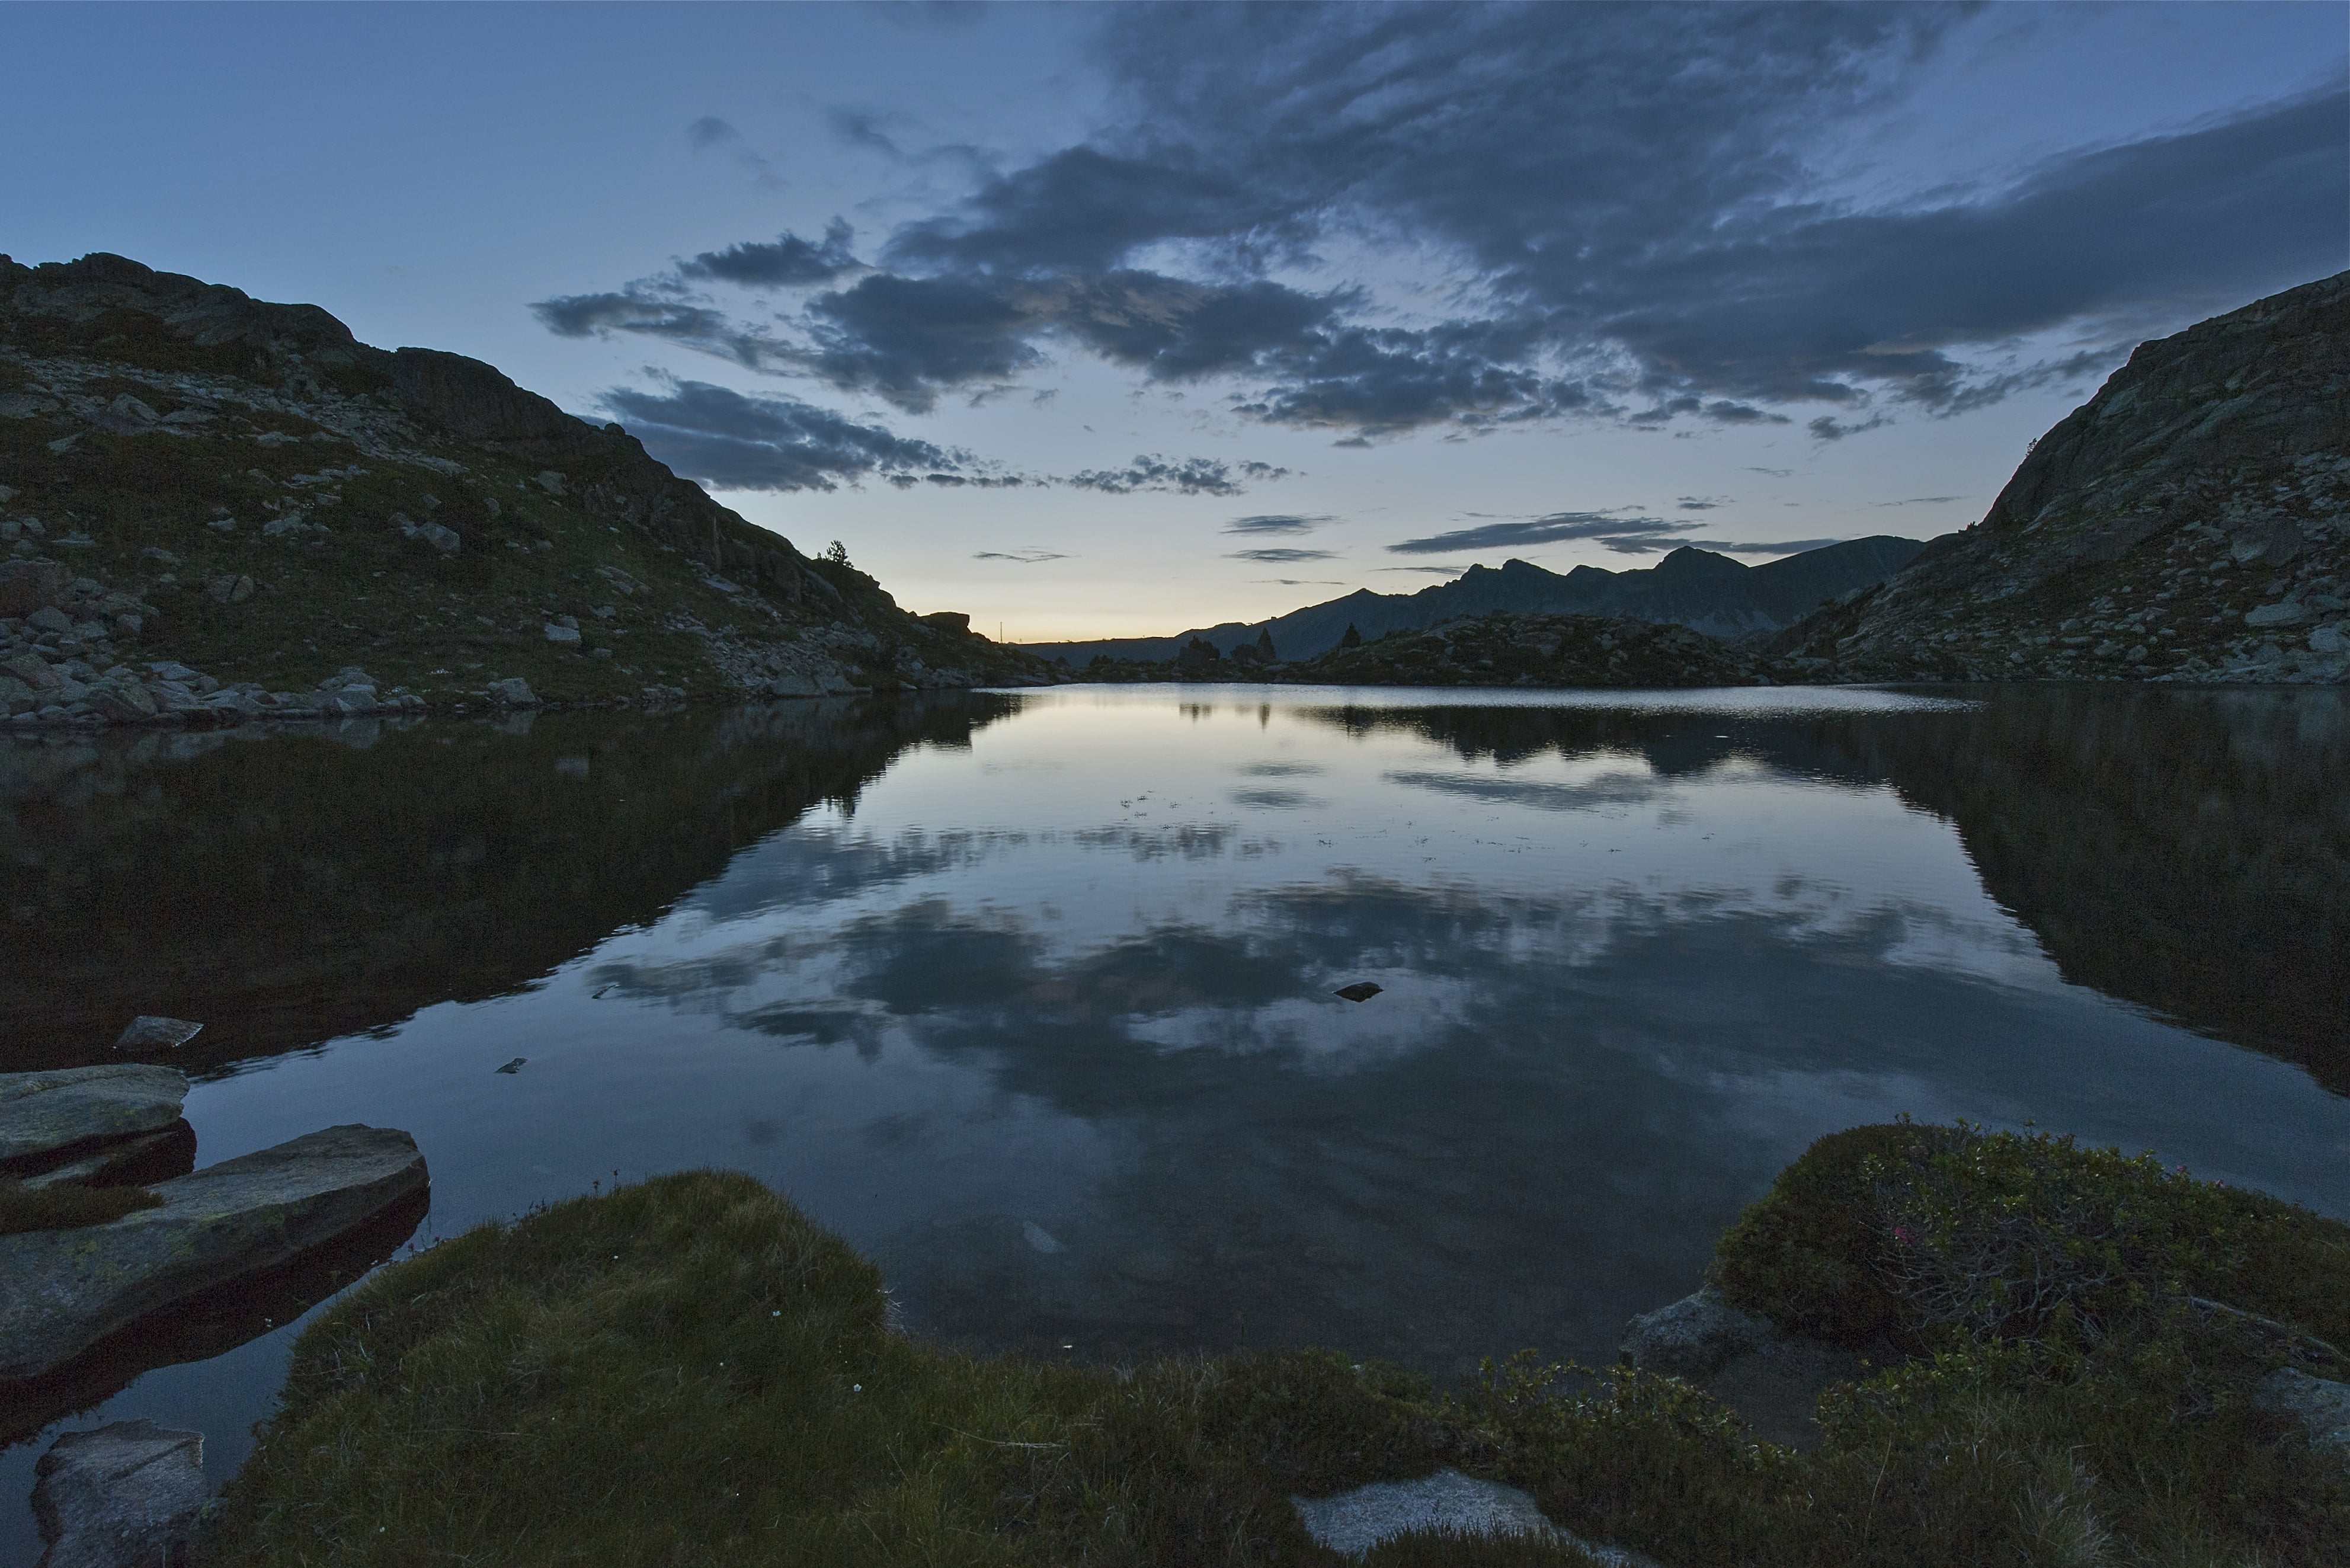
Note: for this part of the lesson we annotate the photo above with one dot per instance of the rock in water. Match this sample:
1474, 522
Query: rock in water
1694, 1337
1361, 990
70, 1289
47, 1114
146, 1032
123, 1496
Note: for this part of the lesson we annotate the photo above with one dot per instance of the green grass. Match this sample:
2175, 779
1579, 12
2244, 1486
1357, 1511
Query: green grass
688, 1371
65, 1208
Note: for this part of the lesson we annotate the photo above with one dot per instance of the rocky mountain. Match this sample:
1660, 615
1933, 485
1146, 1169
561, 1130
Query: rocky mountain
220, 508
1698, 588
2191, 522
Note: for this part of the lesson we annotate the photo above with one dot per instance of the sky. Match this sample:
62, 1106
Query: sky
1099, 321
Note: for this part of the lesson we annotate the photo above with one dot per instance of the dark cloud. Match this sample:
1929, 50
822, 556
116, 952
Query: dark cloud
1626, 535
1624, 196
735, 442
1024, 557
1774, 472
1922, 501
1188, 476
787, 262
1278, 523
1827, 428
1702, 502
1275, 557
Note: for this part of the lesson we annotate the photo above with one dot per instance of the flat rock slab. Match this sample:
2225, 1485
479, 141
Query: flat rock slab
1355, 1521
69, 1288
124, 1496
46, 1114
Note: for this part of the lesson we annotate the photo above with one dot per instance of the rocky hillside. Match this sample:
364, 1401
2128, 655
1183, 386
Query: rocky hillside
2191, 522
1534, 651
219, 508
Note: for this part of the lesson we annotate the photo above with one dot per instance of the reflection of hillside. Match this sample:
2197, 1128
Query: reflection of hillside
287, 889
2188, 851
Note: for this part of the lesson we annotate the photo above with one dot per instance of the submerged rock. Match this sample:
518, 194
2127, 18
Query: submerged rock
46, 1115
123, 1496
147, 1032
1361, 990
70, 1289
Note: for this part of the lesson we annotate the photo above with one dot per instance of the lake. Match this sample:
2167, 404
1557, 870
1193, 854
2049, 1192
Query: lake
1030, 996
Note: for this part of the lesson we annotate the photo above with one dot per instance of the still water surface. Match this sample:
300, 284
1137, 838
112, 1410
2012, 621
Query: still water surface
1030, 996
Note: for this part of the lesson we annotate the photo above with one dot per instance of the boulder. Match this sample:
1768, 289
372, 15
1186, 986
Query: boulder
2321, 1404
1695, 1337
149, 1033
70, 1289
513, 692
124, 1496
45, 1115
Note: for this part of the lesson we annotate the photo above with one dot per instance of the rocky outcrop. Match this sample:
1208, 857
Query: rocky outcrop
1354, 1522
2191, 522
209, 503
68, 1290
124, 1496
49, 1118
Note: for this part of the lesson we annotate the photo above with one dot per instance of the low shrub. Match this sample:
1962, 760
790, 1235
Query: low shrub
1917, 1232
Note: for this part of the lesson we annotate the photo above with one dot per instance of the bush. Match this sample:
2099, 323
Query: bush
1915, 1233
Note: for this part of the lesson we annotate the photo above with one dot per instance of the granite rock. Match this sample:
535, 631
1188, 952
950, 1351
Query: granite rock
43, 1114
123, 1496
70, 1289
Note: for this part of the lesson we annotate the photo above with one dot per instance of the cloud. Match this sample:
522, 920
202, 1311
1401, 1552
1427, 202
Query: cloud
1428, 571
1188, 476
1282, 558
1626, 535
711, 131
1774, 472
1024, 558
1622, 202
1702, 502
1278, 523
1922, 501
737, 442
1826, 427
787, 262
